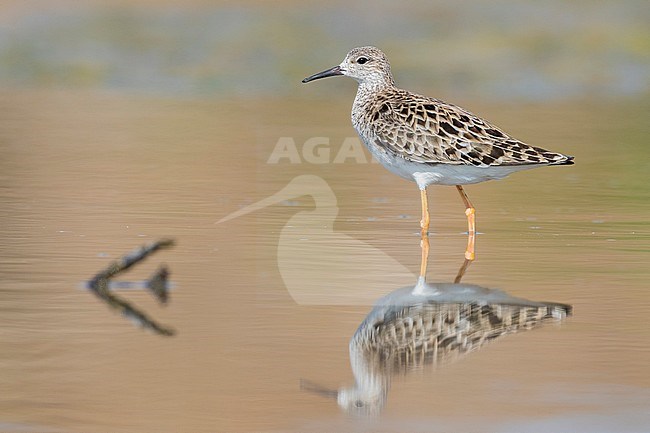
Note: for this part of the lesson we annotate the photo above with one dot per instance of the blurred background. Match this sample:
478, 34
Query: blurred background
502, 49
125, 121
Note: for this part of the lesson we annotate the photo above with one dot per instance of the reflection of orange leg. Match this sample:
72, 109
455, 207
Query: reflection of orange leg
471, 223
462, 270
424, 222
469, 251
424, 244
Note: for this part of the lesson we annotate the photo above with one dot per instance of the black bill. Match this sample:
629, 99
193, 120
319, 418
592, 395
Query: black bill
336, 70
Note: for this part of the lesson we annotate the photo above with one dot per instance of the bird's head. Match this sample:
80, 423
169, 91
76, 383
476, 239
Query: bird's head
367, 65
360, 402
354, 401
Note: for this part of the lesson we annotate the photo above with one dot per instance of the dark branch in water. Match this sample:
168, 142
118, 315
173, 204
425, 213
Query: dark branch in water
99, 285
157, 284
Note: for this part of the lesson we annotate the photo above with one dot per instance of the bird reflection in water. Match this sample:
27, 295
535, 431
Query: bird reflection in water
429, 325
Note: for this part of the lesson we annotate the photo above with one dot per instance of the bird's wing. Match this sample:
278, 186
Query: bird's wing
428, 130
442, 332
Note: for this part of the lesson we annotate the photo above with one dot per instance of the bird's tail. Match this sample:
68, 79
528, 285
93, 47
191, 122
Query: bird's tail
563, 160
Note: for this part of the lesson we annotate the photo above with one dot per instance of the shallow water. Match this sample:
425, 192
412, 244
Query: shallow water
273, 296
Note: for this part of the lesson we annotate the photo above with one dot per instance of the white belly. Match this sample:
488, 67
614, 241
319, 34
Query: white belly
441, 174
447, 174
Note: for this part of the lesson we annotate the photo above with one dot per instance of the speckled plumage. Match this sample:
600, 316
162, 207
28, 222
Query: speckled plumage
427, 130
430, 131
432, 324
427, 140
435, 333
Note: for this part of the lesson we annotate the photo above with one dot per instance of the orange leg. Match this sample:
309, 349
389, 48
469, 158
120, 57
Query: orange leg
470, 212
424, 222
424, 244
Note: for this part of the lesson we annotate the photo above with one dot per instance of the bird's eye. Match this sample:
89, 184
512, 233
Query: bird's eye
358, 403
362, 60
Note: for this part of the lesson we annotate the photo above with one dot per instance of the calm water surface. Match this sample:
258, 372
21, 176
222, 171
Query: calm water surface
273, 296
